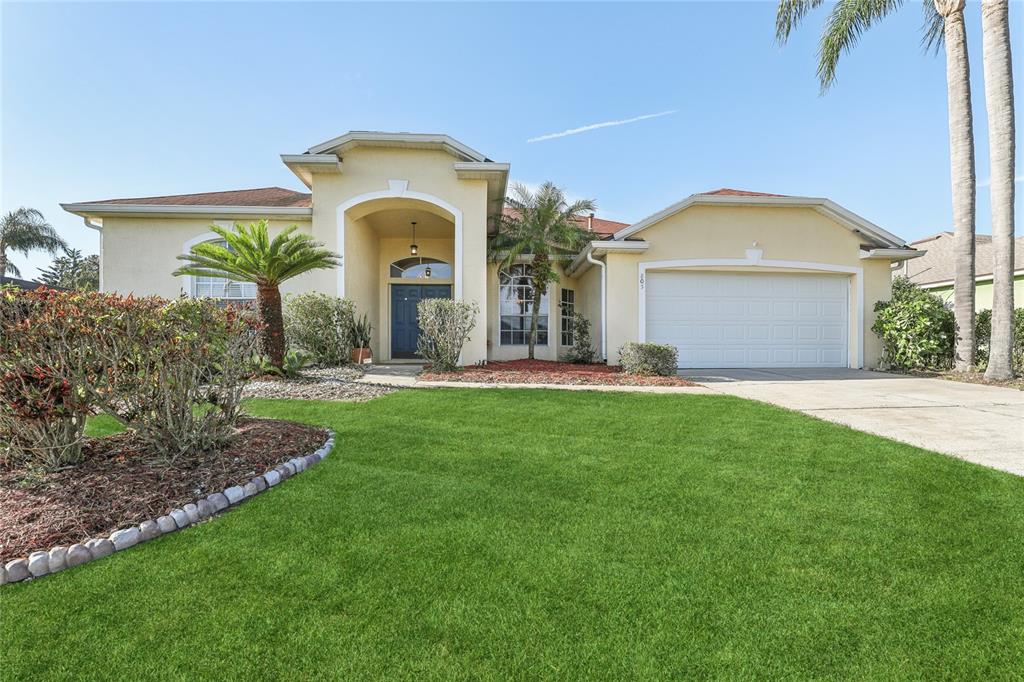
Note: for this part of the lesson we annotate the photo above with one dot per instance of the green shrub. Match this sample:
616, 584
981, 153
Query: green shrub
916, 328
582, 351
983, 338
362, 332
445, 326
647, 359
320, 325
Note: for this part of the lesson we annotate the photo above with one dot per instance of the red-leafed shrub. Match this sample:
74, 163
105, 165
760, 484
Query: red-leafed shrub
172, 371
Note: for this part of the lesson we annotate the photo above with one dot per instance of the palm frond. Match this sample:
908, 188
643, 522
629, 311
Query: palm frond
846, 23
932, 28
789, 14
26, 230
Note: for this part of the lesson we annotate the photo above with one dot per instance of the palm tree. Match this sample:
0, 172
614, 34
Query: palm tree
23, 231
995, 27
252, 256
944, 24
539, 226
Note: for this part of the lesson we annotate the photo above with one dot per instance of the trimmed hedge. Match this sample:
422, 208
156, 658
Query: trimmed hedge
321, 325
648, 359
916, 328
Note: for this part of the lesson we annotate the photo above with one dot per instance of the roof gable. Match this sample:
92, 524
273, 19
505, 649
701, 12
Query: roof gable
368, 138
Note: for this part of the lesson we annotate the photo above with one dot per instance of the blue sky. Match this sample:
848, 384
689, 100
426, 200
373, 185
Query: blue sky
115, 100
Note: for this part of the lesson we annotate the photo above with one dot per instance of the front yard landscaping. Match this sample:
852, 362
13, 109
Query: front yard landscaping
468, 534
549, 372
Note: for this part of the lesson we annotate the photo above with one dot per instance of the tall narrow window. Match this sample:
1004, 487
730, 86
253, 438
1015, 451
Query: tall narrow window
515, 291
567, 307
221, 288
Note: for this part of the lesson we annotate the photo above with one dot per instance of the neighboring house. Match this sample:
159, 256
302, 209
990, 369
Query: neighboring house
732, 278
934, 271
22, 283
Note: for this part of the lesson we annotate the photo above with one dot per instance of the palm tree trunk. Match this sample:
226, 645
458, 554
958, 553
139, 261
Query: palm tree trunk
534, 319
268, 300
961, 160
999, 104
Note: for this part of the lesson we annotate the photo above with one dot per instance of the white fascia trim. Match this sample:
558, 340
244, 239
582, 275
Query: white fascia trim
471, 168
826, 207
754, 259
147, 210
399, 189
600, 248
980, 278
891, 254
354, 138
305, 165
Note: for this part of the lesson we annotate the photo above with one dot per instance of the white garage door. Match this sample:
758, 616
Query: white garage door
720, 319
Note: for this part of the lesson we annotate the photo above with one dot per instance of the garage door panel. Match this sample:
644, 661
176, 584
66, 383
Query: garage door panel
749, 319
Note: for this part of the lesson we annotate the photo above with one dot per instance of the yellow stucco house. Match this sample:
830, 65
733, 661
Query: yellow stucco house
732, 278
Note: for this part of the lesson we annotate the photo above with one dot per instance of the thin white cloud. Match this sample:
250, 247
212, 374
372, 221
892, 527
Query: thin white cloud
988, 181
595, 126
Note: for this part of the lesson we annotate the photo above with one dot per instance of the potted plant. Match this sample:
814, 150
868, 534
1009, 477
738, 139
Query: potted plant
361, 330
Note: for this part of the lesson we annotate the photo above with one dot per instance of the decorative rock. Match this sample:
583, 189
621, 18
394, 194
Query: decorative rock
311, 460
39, 564
100, 547
192, 511
299, 462
123, 539
3, 576
250, 489
260, 483
235, 494
166, 524
17, 570
77, 555
272, 477
219, 502
286, 470
206, 509
148, 530
180, 518
58, 559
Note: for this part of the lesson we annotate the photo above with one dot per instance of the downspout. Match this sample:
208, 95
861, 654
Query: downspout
604, 303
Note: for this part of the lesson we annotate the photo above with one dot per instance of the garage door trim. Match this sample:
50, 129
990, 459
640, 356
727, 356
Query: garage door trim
754, 259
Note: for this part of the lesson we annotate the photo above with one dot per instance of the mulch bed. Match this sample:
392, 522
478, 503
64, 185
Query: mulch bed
549, 372
114, 487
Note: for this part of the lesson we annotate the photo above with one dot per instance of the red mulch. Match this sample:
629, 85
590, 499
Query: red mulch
114, 487
549, 372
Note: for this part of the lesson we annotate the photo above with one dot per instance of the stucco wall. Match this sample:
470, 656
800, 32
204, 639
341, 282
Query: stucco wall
983, 294
588, 302
782, 233
139, 254
366, 174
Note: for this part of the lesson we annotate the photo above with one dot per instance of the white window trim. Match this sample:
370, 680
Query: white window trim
562, 316
753, 259
188, 281
548, 315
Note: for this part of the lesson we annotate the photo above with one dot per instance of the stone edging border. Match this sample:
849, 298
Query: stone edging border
42, 563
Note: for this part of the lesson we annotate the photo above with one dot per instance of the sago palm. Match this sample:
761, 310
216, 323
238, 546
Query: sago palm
944, 24
538, 226
252, 256
995, 26
23, 231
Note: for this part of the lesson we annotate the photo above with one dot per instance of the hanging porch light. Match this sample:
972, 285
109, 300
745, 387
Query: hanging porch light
413, 249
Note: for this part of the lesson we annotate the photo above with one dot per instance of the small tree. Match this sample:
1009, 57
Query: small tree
582, 351
539, 226
445, 326
252, 256
916, 328
73, 271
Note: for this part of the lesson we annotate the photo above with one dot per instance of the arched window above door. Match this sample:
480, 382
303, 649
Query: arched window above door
421, 268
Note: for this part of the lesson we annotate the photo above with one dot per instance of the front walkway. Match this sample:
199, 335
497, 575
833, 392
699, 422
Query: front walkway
978, 423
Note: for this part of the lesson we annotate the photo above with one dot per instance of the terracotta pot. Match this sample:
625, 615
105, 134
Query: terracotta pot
361, 356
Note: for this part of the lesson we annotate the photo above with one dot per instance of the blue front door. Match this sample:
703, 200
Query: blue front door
405, 329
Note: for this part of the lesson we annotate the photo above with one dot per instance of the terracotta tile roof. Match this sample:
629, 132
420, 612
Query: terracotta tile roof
729, 192
261, 196
598, 226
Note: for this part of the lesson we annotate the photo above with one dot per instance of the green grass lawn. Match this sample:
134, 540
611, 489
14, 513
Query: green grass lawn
498, 534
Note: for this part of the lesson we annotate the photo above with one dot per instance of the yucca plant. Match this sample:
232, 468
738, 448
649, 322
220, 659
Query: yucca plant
252, 256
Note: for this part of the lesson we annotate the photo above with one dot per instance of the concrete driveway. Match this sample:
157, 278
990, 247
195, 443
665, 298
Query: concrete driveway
982, 424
